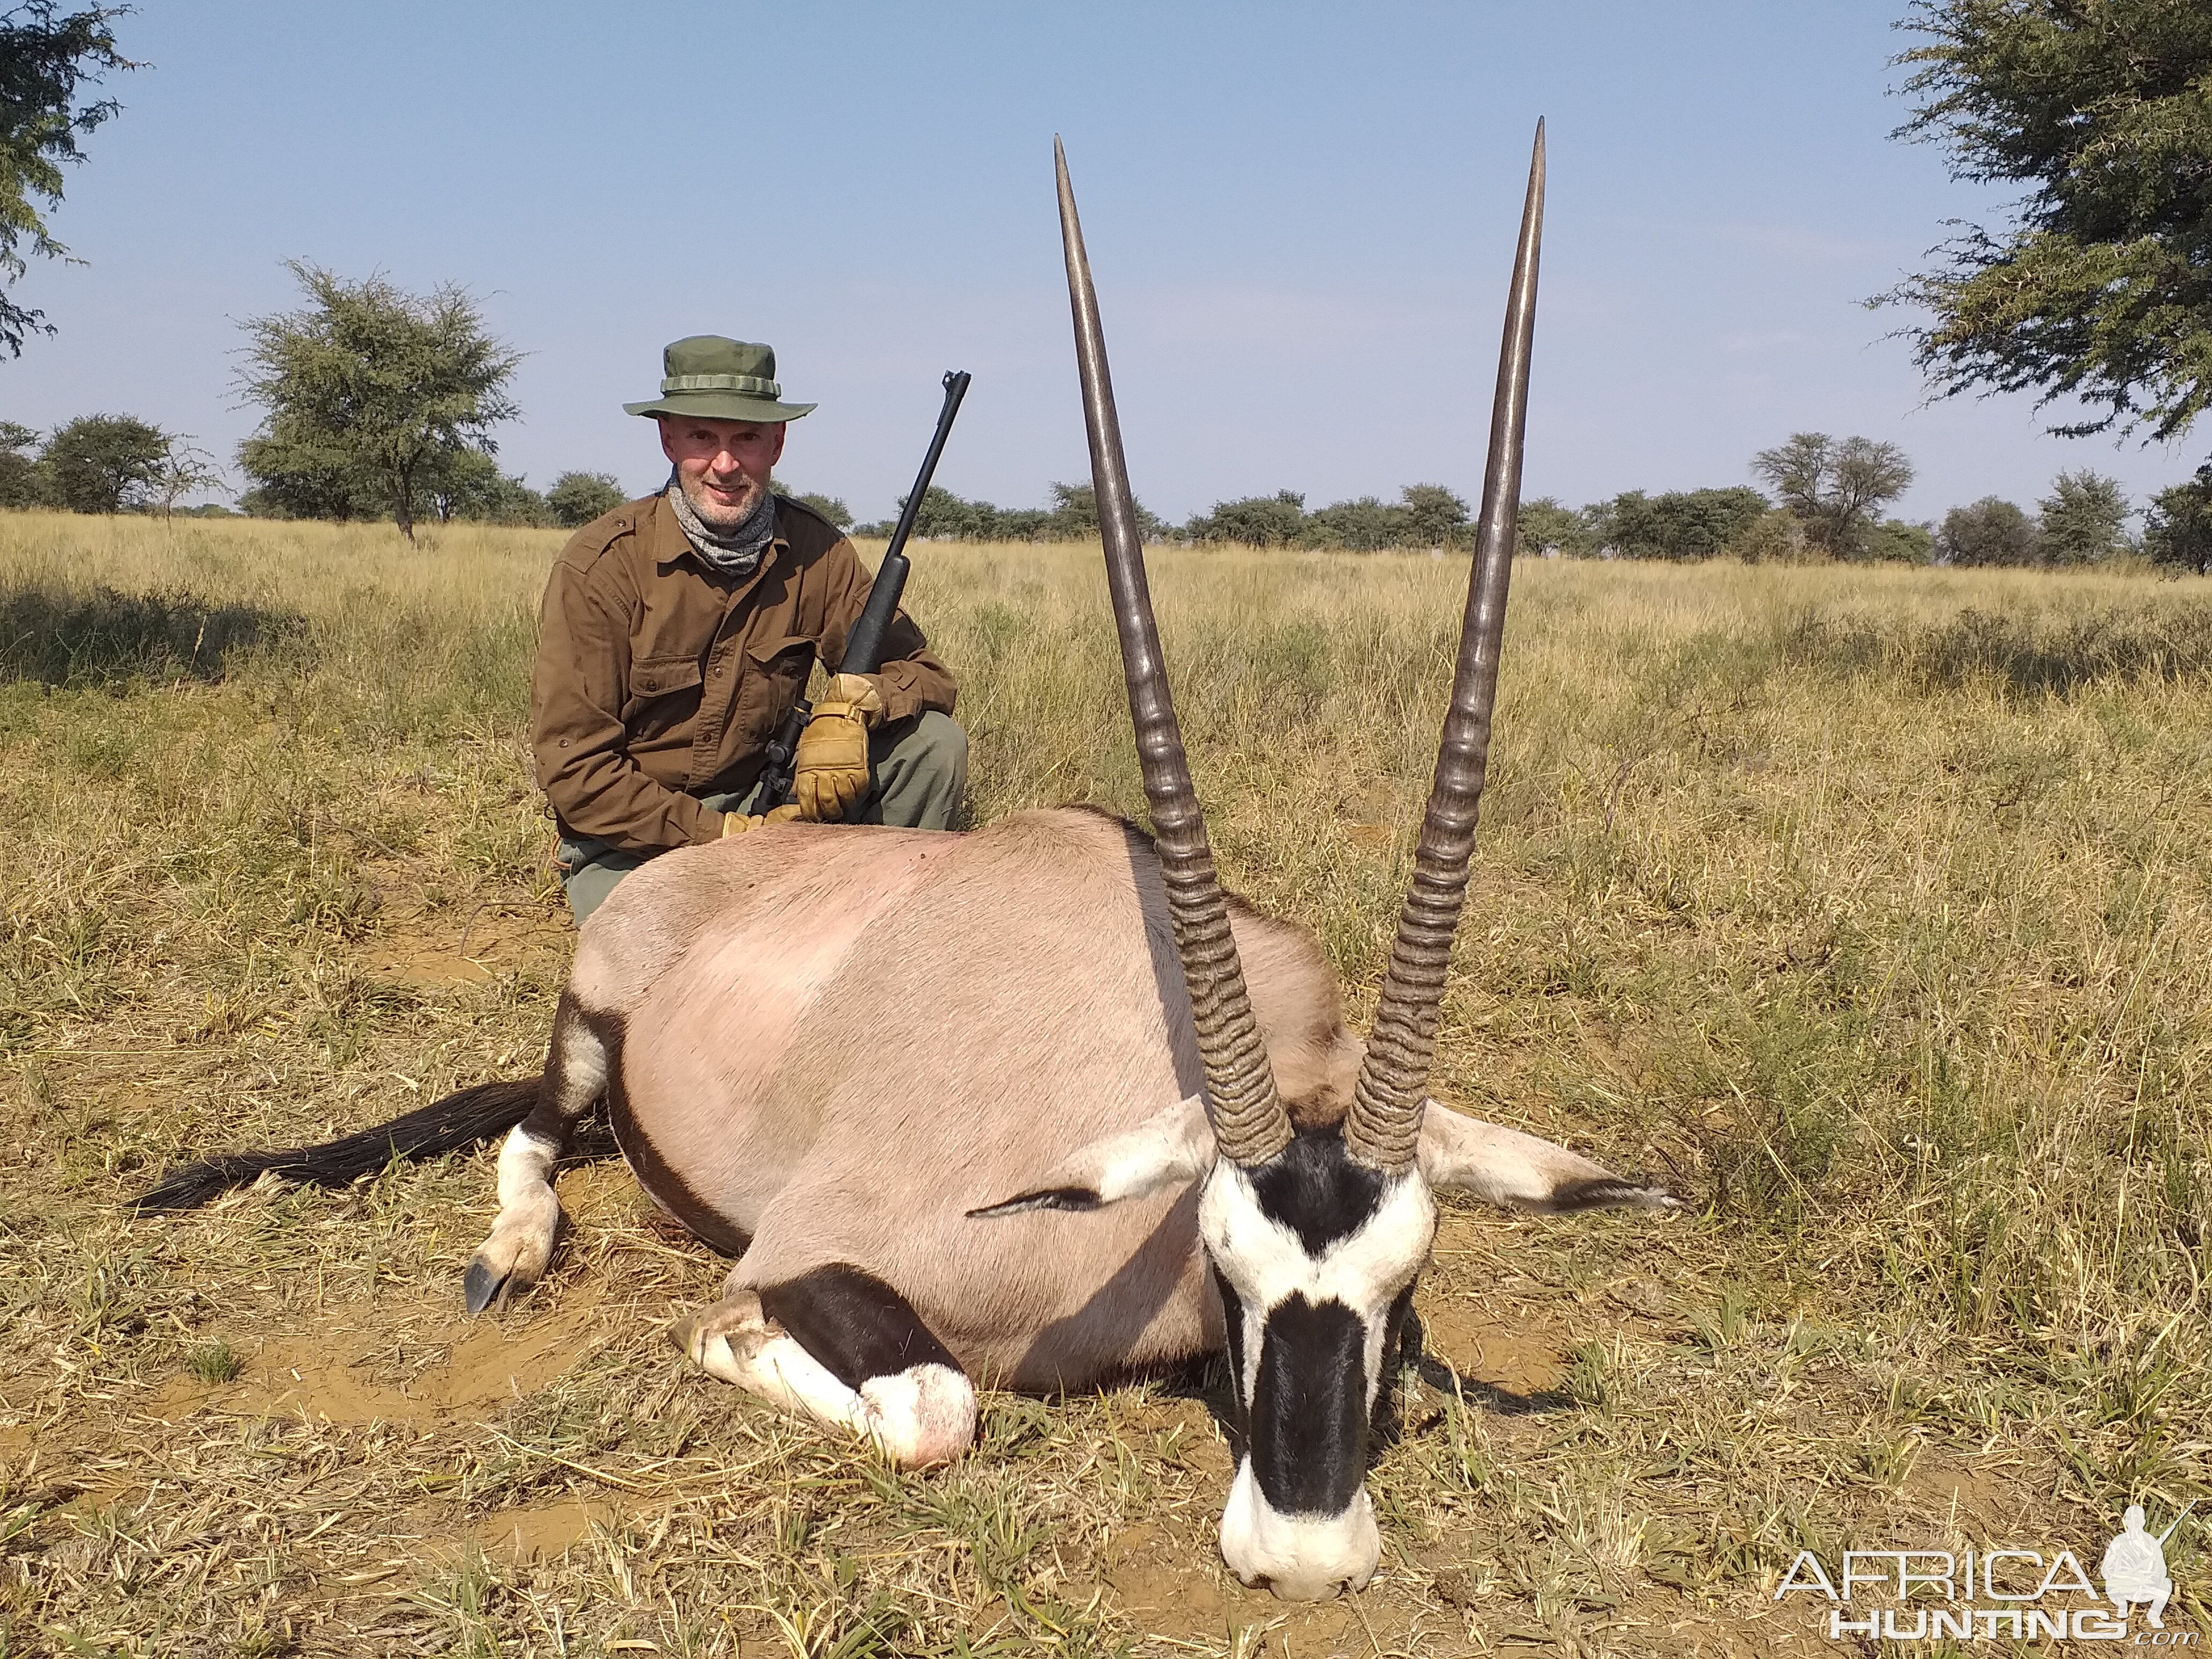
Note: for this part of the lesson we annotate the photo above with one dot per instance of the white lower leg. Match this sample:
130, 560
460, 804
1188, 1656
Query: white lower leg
515, 1256
916, 1418
921, 1416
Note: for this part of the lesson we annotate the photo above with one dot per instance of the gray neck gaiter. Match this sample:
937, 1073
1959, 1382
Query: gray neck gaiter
736, 550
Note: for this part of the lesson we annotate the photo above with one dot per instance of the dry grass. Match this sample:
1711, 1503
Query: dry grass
1867, 907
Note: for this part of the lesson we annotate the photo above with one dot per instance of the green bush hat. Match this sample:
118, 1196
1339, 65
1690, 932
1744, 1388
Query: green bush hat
717, 379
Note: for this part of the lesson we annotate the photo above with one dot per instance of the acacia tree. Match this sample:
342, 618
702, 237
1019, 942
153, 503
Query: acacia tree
1546, 529
1690, 524
1835, 489
2080, 521
184, 467
22, 483
577, 498
1073, 516
45, 58
1991, 531
372, 384
1435, 516
2177, 529
1365, 524
2100, 288
105, 463
1253, 520
831, 508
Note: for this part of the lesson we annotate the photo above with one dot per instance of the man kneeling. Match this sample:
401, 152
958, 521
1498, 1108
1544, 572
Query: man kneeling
678, 630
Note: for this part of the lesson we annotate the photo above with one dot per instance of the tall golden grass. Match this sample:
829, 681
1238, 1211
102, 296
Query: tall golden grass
1867, 907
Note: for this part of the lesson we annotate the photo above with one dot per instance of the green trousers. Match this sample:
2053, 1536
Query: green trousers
918, 779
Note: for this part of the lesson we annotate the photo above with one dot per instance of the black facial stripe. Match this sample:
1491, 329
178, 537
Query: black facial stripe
856, 1325
1232, 1320
1396, 1332
1308, 1433
1401, 1347
1314, 1188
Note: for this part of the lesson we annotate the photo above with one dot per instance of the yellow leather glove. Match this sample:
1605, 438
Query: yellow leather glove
735, 824
830, 773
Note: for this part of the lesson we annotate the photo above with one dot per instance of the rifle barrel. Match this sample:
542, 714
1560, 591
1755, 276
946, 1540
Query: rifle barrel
2178, 1520
864, 646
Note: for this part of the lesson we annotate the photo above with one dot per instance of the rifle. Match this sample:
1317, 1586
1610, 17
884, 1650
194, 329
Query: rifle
2178, 1520
863, 645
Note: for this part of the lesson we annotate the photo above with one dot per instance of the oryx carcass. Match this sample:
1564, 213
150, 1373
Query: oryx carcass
1040, 1103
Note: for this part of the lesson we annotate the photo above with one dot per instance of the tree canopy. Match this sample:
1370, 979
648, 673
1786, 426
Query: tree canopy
1253, 520
22, 483
2080, 520
105, 463
1691, 524
831, 508
577, 498
46, 59
2178, 530
2100, 286
1836, 489
1989, 531
374, 394
1547, 529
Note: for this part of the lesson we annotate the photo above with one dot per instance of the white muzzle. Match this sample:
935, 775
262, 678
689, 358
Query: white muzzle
1301, 1558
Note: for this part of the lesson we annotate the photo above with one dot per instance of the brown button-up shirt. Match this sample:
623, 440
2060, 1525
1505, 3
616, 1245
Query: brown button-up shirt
660, 679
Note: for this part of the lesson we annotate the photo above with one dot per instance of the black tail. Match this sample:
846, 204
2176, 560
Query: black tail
460, 1120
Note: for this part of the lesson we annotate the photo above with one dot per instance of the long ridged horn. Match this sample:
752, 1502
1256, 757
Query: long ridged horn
1248, 1119
1383, 1127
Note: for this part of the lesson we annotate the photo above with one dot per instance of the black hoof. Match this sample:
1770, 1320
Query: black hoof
481, 1286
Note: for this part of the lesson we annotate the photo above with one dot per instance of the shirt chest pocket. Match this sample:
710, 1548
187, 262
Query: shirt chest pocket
664, 694
775, 673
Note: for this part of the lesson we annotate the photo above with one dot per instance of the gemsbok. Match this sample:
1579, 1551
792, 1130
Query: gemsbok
1038, 1104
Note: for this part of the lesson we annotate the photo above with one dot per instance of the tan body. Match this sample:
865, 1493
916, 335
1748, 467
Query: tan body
801, 1014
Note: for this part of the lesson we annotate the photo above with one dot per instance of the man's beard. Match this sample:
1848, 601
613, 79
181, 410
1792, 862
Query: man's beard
713, 512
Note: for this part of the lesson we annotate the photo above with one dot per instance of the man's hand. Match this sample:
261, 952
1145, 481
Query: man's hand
735, 824
830, 773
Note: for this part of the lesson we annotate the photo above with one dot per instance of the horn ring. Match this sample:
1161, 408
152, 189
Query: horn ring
1382, 1126
1249, 1123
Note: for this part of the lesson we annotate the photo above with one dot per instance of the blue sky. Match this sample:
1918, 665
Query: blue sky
1300, 218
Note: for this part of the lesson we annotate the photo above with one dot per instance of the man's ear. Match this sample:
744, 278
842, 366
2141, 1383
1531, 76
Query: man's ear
667, 443
1463, 1154
783, 431
1173, 1145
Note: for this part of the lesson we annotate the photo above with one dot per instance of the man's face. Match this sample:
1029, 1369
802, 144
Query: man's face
722, 466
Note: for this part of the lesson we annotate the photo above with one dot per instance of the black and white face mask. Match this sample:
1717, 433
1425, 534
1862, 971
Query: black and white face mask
1315, 1254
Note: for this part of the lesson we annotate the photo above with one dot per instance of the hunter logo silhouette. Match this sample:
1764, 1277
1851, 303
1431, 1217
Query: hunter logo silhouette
2134, 1567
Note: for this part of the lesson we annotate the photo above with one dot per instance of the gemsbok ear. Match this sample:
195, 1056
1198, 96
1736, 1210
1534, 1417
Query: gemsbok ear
1175, 1144
1463, 1154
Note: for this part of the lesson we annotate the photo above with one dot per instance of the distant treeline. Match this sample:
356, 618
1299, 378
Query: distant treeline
463, 485
1825, 504
120, 464
1424, 515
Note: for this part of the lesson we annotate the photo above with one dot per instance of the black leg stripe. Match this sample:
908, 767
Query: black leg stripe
856, 1325
653, 1172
